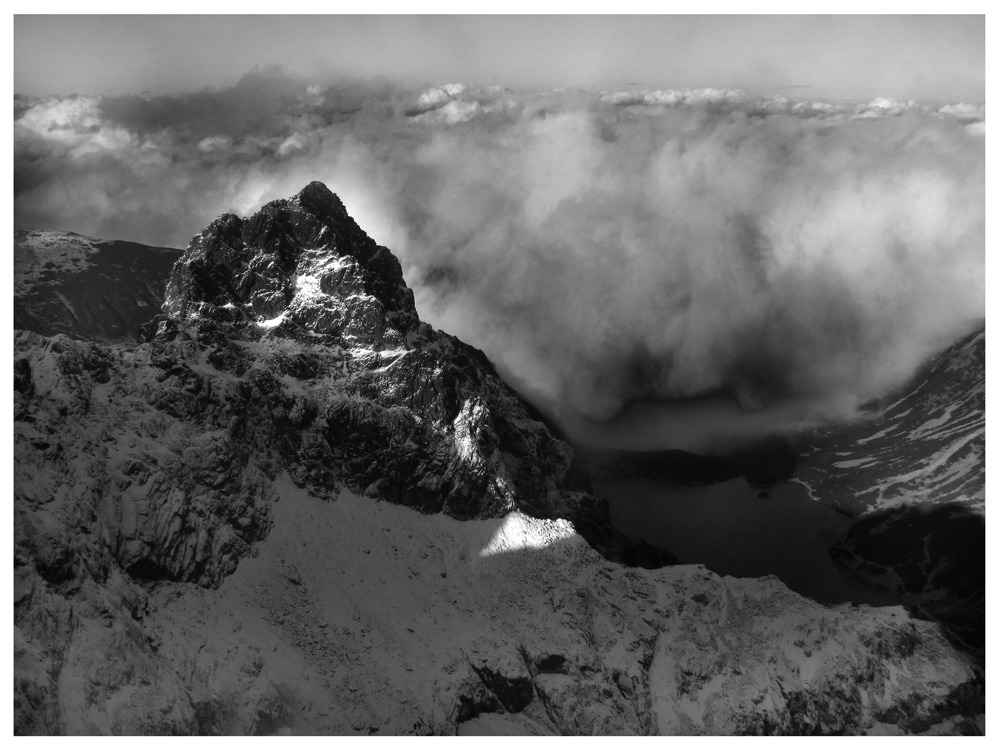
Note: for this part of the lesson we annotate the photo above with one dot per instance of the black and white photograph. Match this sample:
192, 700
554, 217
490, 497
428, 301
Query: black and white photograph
453, 370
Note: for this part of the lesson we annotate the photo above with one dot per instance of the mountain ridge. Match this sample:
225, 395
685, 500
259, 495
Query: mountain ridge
86, 288
177, 539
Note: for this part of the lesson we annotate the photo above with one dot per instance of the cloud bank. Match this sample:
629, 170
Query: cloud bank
718, 265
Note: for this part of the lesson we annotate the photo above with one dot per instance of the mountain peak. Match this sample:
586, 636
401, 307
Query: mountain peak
319, 200
300, 261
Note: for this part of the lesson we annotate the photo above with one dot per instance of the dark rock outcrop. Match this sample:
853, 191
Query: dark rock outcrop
932, 558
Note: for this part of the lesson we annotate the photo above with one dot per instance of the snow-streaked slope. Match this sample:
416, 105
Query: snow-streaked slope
927, 446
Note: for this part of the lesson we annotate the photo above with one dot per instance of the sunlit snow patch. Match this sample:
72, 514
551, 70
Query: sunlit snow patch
520, 532
273, 322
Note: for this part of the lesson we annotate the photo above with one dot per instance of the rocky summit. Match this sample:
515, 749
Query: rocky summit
315, 318
293, 507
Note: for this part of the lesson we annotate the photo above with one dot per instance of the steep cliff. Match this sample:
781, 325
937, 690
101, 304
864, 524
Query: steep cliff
198, 546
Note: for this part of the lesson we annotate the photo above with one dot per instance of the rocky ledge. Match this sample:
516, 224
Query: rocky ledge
198, 548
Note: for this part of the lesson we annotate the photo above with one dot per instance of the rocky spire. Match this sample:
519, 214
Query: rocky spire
302, 261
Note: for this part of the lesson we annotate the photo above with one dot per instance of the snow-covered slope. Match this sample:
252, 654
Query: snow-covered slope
200, 546
86, 288
357, 617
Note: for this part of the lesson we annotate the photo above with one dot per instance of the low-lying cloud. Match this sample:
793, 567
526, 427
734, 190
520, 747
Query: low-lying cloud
762, 262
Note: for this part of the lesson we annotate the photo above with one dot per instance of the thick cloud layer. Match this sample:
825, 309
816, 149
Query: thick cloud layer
757, 263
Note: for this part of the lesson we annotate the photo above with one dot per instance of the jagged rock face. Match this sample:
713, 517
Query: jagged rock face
86, 288
100, 452
374, 400
299, 301
303, 257
111, 490
180, 567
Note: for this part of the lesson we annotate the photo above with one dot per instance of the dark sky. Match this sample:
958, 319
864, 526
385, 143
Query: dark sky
930, 58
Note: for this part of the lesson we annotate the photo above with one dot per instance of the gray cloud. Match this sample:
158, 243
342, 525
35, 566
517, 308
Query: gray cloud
784, 259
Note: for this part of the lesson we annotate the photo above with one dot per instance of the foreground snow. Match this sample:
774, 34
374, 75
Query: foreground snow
358, 616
